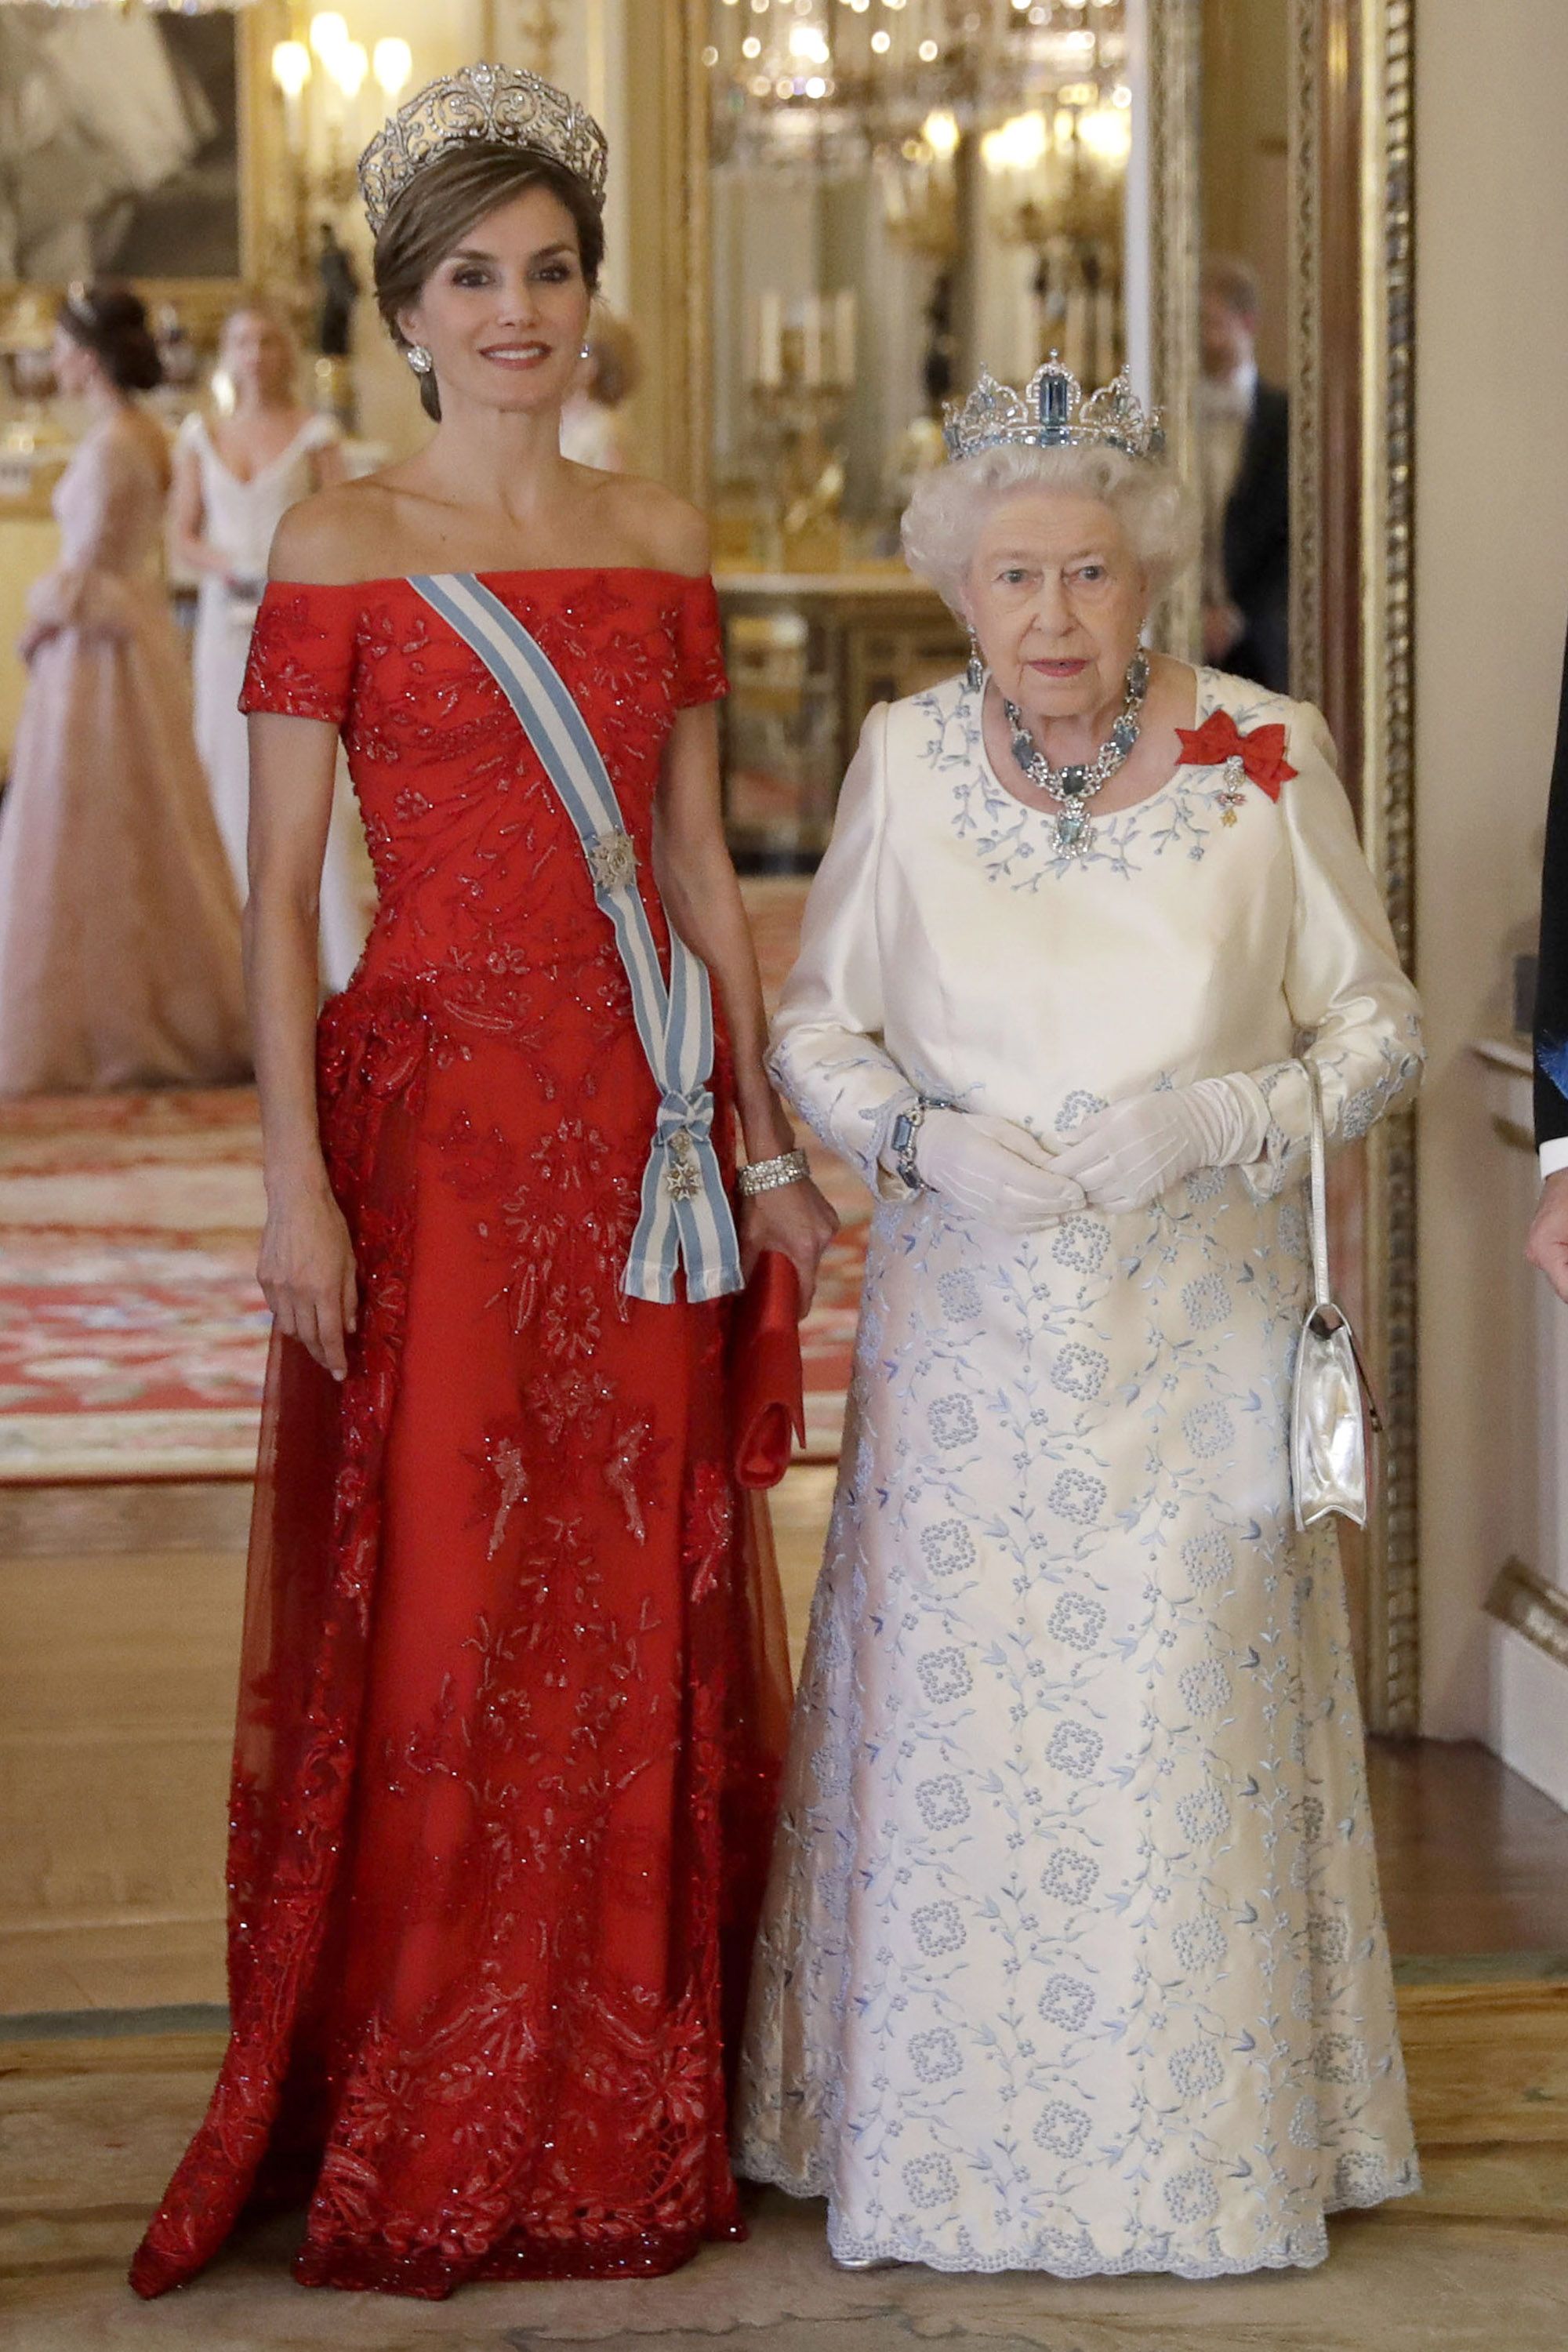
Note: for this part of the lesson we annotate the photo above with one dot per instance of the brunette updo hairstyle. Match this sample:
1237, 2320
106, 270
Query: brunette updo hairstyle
111, 322
438, 207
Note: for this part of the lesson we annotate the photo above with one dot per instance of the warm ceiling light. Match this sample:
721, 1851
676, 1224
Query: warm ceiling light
290, 66
328, 34
940, 131
392, 62
882, 42
928, 53
349, 67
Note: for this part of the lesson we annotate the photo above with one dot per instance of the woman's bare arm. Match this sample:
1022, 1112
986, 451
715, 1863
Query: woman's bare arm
188, 518
702, 898
306, 1268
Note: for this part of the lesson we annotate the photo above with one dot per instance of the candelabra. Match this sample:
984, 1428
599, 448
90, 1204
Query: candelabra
801, 381
333, 93
329, 110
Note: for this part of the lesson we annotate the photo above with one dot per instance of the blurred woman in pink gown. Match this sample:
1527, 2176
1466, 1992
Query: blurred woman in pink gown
120, 961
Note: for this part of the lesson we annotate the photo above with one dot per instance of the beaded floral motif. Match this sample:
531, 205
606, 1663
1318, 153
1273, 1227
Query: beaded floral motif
493, 1762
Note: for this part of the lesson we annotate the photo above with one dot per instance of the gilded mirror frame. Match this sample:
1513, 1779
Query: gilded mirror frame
1352, 390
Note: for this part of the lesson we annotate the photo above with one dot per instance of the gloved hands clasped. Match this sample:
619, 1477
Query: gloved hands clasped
989, 1168
1127, 1156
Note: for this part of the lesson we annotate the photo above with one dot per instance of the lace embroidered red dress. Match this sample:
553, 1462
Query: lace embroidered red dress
510, 1711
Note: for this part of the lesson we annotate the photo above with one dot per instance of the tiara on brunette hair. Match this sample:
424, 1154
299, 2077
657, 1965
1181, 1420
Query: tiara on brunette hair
499, 103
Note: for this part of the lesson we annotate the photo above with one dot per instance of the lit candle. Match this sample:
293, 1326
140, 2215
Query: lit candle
1105, 334
1076, 336
291, 71
393, 62
844, 338
811, 342
770, 340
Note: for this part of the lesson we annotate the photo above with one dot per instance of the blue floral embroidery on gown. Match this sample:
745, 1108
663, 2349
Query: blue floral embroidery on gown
1073, 1959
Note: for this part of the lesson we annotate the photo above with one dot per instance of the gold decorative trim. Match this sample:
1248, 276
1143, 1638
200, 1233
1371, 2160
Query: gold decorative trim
1305, 350
1174, 36
692, 248
1532, 1607
1388, 813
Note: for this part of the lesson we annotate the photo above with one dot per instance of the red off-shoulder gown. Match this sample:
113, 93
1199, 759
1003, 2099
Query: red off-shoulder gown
511, 1699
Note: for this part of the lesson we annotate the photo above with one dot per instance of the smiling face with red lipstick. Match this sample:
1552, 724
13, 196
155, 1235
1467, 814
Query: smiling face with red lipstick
504, 313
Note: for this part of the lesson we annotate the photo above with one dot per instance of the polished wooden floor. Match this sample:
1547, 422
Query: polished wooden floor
1472, 1858
118, 1621
119, 1615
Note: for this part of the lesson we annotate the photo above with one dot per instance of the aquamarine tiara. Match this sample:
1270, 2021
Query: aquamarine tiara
500, 102
1052, 412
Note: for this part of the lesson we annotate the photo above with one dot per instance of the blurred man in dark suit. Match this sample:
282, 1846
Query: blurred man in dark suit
1244, 469
1548, 1245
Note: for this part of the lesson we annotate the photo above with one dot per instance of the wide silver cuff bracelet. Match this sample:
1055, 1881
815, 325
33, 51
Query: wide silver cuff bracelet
770, 1175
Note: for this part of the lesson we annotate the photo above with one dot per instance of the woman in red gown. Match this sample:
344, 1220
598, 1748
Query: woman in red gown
509, 1720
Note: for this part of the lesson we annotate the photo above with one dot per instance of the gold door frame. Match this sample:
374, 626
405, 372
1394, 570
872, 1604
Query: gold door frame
1351, 392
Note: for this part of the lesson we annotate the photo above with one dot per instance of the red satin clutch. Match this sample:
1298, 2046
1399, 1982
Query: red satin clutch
767, 1384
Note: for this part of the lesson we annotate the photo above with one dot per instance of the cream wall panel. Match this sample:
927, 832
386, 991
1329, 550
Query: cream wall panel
1491, 603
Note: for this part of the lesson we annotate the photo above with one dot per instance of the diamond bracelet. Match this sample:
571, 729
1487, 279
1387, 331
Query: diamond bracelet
769, 1175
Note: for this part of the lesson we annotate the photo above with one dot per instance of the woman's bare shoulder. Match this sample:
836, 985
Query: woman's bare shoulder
666, 532
333, 538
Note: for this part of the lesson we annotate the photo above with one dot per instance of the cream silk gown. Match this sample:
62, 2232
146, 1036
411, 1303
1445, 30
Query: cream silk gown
240, 517
1073, 1958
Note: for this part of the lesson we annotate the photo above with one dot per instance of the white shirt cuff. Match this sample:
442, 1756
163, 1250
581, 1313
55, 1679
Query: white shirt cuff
1553, 1156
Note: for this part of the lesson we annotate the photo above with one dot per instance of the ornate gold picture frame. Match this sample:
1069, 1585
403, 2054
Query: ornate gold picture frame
1352, 390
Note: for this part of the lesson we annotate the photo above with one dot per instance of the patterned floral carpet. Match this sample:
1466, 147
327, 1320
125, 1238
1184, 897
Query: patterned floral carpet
132, 1337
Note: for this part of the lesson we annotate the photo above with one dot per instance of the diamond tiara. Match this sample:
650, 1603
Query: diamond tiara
1052, 412
498, 102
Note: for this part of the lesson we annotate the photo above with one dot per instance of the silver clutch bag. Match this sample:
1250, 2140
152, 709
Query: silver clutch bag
1328, 1433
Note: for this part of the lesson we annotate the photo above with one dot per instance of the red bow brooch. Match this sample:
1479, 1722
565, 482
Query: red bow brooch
1258, 756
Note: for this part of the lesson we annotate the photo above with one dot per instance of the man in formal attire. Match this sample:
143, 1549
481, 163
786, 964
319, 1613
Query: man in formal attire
1548, 1243
1244, 462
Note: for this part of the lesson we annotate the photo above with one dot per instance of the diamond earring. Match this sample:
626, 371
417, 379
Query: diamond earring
419, 359
586, 351
974, 671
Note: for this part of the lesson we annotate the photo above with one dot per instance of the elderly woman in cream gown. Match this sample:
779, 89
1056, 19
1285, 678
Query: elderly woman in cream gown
1073, 1959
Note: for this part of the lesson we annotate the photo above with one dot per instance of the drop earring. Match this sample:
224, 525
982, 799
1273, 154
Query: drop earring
975, 672
419, 359
586, 351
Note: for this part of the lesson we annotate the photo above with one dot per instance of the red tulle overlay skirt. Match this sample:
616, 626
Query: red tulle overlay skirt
512, 1701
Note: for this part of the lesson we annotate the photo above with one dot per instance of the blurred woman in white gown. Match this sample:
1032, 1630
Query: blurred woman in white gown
235, 478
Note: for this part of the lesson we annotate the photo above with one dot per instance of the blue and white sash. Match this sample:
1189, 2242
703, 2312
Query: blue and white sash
685, 1216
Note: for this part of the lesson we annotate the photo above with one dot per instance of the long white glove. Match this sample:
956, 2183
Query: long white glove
993, 1171
1127, 1156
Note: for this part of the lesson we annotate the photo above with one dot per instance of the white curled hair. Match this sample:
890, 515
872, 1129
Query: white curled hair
944, 517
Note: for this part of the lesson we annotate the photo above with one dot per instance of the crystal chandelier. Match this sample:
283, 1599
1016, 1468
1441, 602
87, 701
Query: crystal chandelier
829, 82
152, 7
